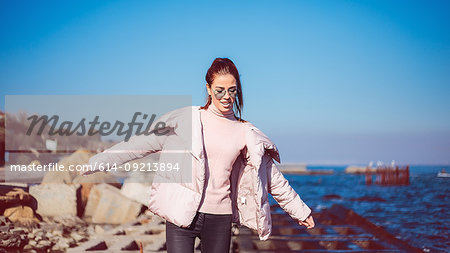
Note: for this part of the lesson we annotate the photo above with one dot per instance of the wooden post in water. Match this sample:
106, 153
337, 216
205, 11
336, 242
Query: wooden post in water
407, 174
368, 176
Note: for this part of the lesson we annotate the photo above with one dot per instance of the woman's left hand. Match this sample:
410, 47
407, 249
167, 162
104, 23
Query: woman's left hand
308, 223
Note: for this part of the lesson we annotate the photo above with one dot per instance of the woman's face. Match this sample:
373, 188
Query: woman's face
223, 92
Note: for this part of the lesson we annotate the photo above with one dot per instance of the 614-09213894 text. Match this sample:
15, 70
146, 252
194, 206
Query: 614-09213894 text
143, 167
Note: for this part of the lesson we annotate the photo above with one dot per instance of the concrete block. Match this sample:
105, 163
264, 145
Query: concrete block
107, 205
138, 192
55, 199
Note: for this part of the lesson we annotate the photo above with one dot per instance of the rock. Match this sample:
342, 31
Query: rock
77, 237
70, 222
17, 231
42, 248
293, 168
55, 199
87, 182
99, 229
79, 157
71, 242
23, 215
92, 245
14, 196
8, 186
107, 205
52, 236
28, 247
12, 241
44, 243
138, 192
137, 185
3, 221
60, 245
57, 233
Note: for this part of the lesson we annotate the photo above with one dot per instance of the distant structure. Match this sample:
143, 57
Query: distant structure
389, 175
385, 174
301, 169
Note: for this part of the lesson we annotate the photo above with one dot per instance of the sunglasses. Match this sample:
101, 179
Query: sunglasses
219, 93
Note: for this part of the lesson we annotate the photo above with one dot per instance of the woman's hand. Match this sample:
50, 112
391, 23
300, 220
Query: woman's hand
86, 172
308, 223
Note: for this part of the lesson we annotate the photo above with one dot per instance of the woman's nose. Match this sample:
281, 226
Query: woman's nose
227, 95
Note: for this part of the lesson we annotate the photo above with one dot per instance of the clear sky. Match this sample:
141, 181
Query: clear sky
330, 82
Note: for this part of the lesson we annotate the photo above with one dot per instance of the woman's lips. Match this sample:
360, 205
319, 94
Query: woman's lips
226, 104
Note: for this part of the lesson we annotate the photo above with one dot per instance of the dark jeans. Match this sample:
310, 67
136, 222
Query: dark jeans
214, 231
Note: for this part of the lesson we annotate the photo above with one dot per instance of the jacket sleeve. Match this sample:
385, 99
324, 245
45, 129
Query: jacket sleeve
136, 147
285, 195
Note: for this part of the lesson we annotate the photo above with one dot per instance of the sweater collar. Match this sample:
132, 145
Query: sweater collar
214, 110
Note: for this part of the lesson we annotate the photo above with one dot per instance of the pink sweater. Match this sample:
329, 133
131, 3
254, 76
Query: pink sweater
224, 139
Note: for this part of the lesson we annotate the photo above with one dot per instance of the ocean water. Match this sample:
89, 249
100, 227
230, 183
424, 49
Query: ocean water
417, 213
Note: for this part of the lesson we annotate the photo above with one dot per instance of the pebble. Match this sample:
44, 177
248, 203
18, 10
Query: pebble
54, 234
44, 243
76, 236
99, 229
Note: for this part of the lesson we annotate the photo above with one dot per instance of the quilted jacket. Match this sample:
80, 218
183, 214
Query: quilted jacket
176, 197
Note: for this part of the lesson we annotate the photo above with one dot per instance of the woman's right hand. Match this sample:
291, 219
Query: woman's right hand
308, 222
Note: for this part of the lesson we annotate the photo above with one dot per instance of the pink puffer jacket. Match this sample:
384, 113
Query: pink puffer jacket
253, 177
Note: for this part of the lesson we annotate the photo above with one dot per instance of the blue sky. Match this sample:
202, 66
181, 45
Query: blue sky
331, 82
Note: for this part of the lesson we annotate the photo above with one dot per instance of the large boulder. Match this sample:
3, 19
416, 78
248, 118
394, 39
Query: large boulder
55, 199
107, 205
79, 157
19, 206
88, 181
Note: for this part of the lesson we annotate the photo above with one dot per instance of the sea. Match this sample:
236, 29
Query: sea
417, 213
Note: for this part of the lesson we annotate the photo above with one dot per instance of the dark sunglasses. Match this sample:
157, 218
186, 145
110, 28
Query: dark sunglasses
219, 93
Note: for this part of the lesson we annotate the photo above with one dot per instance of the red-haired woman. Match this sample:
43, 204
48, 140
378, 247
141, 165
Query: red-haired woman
232, 171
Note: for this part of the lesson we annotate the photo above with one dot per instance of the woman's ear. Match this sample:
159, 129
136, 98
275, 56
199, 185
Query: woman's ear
208, 88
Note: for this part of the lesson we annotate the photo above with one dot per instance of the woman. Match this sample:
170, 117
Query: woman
232, 171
